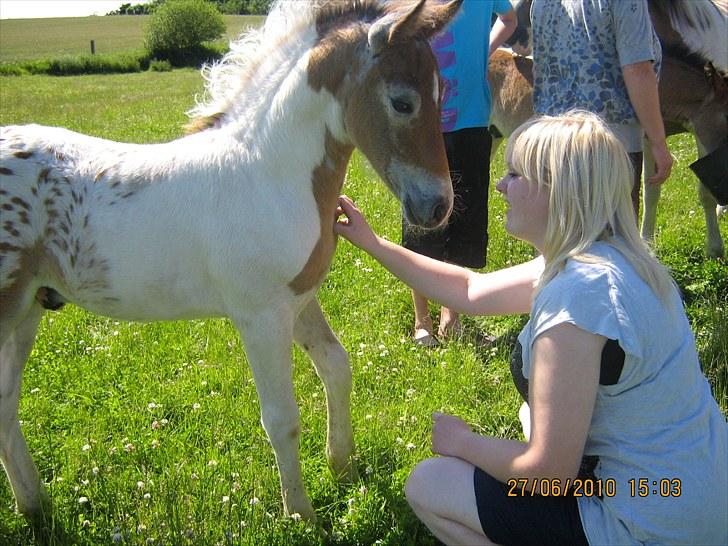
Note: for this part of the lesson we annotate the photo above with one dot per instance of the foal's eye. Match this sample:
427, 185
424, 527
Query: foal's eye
402, 106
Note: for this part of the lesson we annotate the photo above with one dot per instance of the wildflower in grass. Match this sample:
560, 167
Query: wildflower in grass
82, 500
155, 443
196, 406
147, 496
296, 516
363, 490
85, 447
410, 446
212, 463
225, 499
254, 501
140, 485
35, 391
129, 447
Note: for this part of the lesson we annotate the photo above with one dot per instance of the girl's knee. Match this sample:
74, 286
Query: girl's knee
419, 481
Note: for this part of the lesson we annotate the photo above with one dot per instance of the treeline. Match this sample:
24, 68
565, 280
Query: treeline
228, 7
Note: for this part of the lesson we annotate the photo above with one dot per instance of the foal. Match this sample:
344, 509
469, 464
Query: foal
235, 220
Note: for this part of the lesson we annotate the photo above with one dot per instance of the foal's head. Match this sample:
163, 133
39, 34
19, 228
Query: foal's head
386, 78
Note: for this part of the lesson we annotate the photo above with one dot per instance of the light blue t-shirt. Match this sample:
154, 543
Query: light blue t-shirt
461, 50
659, 423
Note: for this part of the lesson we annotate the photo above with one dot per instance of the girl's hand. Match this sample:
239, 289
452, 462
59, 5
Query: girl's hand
351, 224
448, 432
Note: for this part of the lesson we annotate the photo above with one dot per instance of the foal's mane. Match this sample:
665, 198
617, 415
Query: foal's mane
252, 64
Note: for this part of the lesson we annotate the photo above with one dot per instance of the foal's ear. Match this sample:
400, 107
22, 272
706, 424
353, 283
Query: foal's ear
422, 20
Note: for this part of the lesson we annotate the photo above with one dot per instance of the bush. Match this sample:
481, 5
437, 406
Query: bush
178, 29
155, 65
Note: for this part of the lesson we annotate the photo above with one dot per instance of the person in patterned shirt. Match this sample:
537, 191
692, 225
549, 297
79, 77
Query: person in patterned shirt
602, 56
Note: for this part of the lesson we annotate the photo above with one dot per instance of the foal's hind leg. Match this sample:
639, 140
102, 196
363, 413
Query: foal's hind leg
313, 334
29, 493
714, 241
268, 342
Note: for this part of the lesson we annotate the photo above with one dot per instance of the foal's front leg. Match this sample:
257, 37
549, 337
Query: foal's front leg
651, 195
313, 334
268, 342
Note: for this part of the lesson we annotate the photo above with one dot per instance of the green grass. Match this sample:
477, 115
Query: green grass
108, 405
29, 39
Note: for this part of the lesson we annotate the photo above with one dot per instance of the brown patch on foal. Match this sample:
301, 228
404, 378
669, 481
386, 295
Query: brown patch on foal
327, 180
197, 125
32, 261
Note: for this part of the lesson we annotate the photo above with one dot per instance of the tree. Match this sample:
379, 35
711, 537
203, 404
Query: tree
178, 29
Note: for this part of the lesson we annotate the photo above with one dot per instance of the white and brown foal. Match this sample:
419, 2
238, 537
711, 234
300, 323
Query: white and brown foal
235, 220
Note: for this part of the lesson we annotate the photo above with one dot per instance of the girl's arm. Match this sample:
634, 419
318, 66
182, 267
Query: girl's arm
562, 392
507, 291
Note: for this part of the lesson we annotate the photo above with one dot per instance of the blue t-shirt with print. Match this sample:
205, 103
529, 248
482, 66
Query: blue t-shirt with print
461, 50
579, 49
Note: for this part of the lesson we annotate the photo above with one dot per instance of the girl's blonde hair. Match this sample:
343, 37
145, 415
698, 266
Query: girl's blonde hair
587, 173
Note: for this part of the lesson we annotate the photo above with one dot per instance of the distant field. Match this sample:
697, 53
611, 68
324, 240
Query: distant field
25, 39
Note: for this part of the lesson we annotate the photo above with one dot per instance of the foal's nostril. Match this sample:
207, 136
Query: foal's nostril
439, 211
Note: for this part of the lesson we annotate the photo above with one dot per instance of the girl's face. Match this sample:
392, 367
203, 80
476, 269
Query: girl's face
527, 214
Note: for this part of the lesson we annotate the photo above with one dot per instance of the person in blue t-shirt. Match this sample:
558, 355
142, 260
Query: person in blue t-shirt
624, 442
462, 50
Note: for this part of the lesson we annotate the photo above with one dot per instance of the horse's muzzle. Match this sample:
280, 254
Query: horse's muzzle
429, 214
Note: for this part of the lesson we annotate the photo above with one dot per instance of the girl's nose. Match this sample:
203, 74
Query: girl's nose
502, 185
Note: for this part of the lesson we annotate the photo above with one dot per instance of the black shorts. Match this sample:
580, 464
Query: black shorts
464, 240
526, 520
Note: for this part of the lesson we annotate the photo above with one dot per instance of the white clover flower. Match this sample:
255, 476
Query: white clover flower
85, 447
254, 501
225, 499
82, 500
140, 485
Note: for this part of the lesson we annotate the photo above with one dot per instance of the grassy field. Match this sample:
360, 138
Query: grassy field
25, 39
150, 433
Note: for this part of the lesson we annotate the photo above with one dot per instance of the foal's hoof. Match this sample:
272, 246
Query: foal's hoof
347, 473
305, 513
